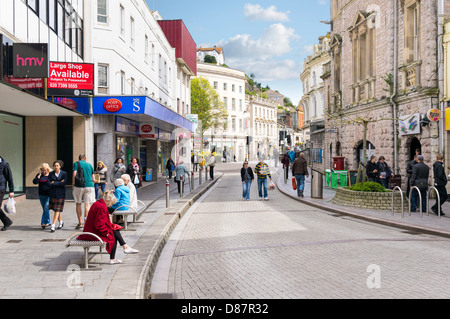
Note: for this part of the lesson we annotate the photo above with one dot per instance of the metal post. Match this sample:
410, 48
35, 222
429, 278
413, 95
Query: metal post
181, 186
420, 200
438, 203
199, 177
206, 173
167, 193
401, 193
286, 172
192, 181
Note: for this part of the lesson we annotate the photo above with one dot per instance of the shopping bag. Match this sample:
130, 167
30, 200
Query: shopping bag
10, 206
294, 183
272, 186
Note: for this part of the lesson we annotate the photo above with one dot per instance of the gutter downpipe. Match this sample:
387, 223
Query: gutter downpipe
394, 105
441, 72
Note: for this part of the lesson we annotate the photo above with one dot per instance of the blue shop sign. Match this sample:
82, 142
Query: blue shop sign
124, 125
126, 105
80, 105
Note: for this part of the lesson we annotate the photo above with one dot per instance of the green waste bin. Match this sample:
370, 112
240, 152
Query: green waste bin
328, 176
343, 179
334, 180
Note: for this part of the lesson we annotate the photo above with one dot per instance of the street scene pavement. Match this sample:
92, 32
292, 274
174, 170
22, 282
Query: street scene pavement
223, 247
282, 248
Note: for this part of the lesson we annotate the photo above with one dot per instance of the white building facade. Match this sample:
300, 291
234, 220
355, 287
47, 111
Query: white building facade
230, 85
263, 127
134, 57
38, 130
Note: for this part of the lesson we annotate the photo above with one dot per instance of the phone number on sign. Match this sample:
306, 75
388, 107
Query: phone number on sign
62, 86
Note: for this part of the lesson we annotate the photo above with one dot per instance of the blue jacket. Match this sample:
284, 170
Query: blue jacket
291, 156
181, 170
122, 194
58, 187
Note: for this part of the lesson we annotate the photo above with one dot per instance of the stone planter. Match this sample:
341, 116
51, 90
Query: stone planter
369, 200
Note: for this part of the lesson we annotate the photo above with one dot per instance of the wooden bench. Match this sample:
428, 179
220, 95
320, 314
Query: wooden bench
135, 212
86, 244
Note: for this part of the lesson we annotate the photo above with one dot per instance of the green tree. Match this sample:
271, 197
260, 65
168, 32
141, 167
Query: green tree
206, 103
210, 59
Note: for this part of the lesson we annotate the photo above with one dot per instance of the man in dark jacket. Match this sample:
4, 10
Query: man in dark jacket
300, 170
6, 180
372, 169
419, 178
409, 169
440, 181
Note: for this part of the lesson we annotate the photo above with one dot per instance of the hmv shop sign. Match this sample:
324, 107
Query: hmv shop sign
30, 60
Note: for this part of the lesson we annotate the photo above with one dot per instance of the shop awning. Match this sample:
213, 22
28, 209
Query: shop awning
17, 101
141, 109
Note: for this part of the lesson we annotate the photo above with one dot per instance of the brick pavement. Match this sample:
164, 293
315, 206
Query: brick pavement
228, 248
36, 264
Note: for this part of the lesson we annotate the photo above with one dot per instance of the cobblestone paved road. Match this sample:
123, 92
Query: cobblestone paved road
226, 248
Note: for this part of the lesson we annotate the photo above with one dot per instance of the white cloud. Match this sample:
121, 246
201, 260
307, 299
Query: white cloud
275, 41
267, 71
255, 12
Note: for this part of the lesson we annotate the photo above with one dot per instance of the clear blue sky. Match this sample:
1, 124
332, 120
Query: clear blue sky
270, 39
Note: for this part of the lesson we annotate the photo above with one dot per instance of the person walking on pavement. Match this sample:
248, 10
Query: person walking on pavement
276, 158
118, 170
211, 164
440, 181
291, 155
182, 173
83, 190
263, 172
195, 161
419, 178
42, 180
6, 181
247, 178
58, 181
300, 170
101, 179
134, 171
285, 162
170, 167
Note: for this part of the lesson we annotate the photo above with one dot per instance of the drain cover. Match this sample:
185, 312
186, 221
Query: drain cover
52, 240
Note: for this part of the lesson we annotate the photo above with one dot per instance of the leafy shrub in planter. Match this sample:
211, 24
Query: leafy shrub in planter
368, 187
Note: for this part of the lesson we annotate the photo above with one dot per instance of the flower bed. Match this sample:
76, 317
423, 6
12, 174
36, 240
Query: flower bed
369, 200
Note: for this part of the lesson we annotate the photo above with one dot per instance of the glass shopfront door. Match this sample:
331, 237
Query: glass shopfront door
12, 147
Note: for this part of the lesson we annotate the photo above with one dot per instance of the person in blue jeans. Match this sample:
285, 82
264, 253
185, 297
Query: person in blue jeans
300, 170
42, 179
247, 178
263, 172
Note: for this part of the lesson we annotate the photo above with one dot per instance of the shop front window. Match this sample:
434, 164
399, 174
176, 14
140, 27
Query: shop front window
11, 147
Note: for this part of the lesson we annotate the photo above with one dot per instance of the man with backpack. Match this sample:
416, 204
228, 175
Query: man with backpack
83, 187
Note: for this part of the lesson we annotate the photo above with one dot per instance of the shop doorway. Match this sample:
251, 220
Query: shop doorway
415, 145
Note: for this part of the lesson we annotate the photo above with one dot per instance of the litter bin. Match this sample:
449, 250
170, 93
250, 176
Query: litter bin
316, 184
327, 177
343, 178
338, 163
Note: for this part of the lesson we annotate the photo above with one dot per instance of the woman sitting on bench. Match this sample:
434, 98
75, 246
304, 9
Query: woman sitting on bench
98, 222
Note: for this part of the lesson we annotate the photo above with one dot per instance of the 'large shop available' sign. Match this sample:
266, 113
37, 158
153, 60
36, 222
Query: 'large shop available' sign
70, 79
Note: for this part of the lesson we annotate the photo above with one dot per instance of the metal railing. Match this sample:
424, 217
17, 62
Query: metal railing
401, 194
420, 200
438, 203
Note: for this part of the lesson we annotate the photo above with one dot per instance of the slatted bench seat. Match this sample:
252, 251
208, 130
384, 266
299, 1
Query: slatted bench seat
135, 212
86, 245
